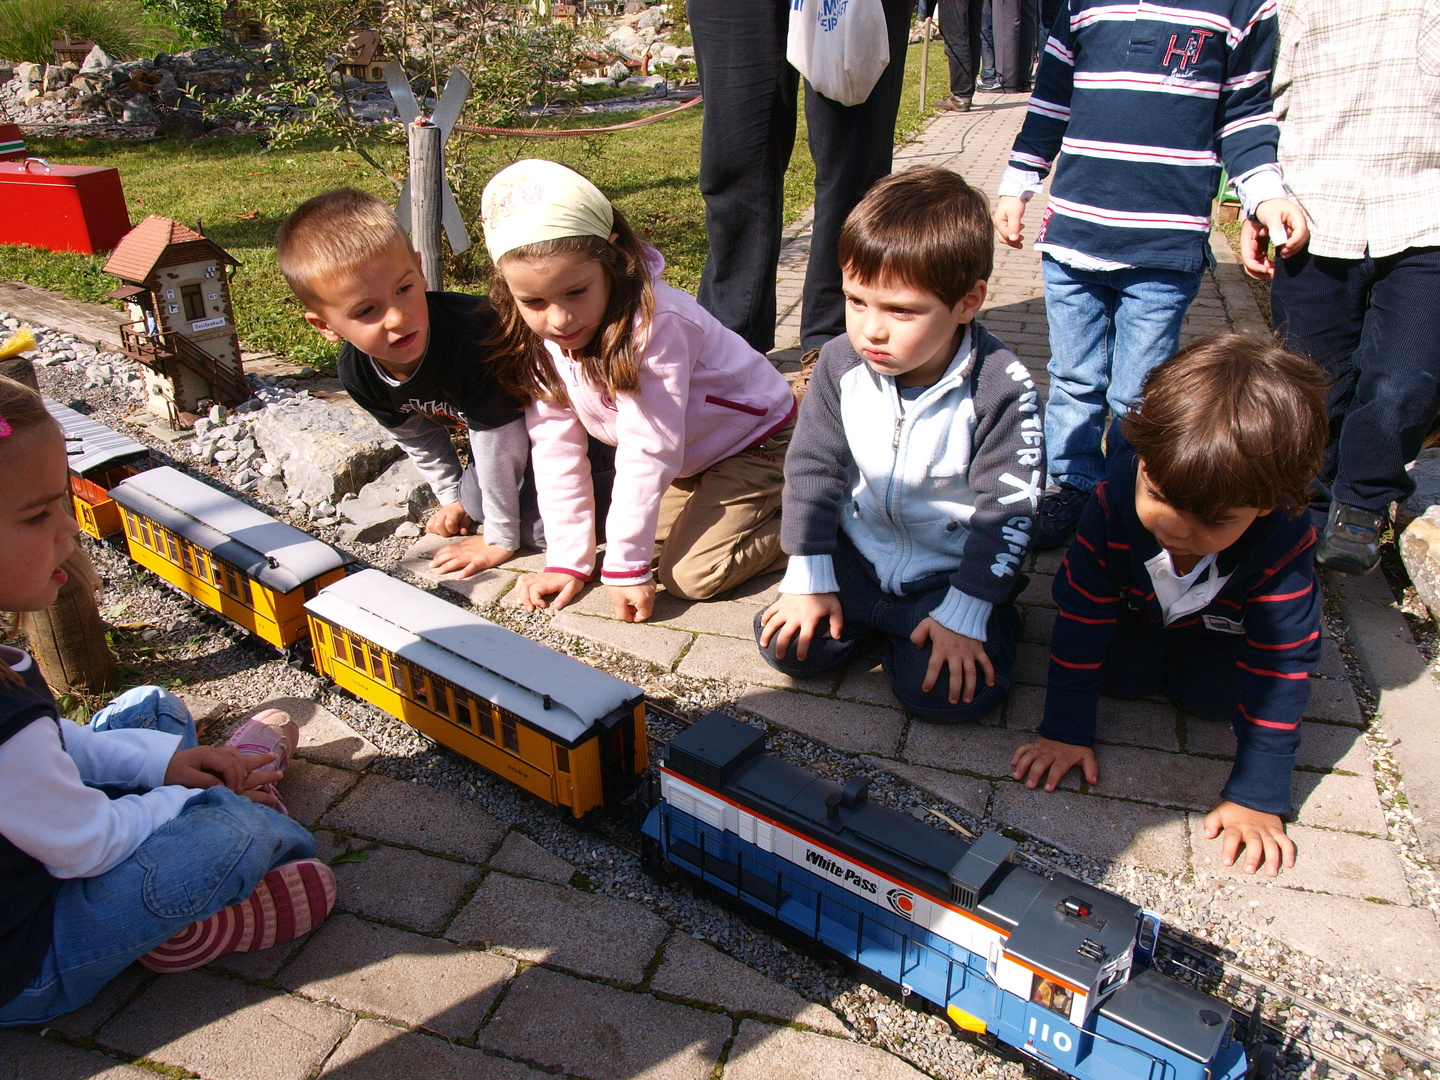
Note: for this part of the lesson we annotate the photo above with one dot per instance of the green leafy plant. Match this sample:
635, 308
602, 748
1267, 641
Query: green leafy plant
198, 22
120, 27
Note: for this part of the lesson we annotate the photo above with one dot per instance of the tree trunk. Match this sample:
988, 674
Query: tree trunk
68, 638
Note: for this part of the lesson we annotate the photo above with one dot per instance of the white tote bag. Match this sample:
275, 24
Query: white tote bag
840, 46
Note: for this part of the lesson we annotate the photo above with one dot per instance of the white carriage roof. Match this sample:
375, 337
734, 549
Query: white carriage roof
279, 556
488, 660
89, 443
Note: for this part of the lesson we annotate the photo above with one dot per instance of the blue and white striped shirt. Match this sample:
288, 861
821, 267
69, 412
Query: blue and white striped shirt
1141, 102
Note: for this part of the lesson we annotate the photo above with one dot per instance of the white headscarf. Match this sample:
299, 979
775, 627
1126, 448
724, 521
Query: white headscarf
535, 200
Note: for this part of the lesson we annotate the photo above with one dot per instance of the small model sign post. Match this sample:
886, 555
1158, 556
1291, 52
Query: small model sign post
426, 202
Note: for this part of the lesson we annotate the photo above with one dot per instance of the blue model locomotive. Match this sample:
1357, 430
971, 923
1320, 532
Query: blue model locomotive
1047, 964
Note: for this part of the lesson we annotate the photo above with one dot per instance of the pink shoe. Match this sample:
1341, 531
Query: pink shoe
269, 731
290, 900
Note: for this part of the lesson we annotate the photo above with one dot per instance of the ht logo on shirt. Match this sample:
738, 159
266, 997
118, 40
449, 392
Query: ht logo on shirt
1189, 53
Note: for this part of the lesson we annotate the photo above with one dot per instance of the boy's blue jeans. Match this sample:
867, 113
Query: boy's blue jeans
1108, 328
211, 856
870, 612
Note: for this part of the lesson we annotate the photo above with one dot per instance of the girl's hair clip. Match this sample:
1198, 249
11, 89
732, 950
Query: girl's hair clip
5, 429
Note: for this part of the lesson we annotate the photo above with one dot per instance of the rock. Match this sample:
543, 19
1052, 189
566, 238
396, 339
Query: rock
324, 450
138, 111
619, 72
97, 59
399, 495
636, 7
1420, 551
218, 413
654, 18
223, 457
408, 530
1425, 471
203, 425
654, 83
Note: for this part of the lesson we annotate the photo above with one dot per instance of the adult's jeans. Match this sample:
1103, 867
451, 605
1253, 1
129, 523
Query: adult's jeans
751, 97
210, 856
961, 27
1373, 326
1108, 328
871, 614
987, 41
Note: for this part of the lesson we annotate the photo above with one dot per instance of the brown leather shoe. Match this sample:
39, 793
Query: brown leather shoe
807, 368
953, 104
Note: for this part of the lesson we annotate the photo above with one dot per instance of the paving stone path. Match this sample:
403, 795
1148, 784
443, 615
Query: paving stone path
462, 949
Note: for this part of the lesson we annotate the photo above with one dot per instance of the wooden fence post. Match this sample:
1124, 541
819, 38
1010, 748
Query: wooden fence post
426, 179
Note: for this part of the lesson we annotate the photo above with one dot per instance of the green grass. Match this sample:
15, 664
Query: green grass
240, 194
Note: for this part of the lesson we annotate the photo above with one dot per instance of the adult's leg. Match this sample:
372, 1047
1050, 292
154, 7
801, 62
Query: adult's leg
1397, 391
906, 665
211, 856
961, 47
1080, 308
1014, 22
987, 43
1317, 307
852, 147
729, 528
745, 141
1148, 315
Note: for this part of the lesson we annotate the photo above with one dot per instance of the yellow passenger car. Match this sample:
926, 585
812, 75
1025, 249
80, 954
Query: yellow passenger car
562, 730
256, 571
98, 458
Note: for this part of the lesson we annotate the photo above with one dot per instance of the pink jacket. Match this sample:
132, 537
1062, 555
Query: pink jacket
704, 395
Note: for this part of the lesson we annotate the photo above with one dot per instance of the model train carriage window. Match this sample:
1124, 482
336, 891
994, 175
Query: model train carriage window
1051, 995
510, 735
562, 759
487, 720
132, 526
357, 654
191, 296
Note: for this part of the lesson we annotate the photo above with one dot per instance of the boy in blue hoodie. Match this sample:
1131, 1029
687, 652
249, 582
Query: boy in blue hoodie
1193, 575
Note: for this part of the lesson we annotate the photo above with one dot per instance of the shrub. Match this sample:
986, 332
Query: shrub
119, 27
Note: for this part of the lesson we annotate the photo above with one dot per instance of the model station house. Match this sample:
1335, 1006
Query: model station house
177, 289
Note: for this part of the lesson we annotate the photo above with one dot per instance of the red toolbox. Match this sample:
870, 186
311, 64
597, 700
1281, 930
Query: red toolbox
61, 207
12, 142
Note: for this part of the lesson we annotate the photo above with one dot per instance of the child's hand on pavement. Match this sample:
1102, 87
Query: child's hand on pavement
1009, 218
964, 656
795, 617
450, 520
633, 603
532, 589
468, 557
1281, 217
207, 766
1262, 836
1051, 760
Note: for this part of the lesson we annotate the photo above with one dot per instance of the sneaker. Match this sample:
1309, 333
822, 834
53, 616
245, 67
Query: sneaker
290, 900
990, 86
1060, 511
807, 368
269, 731
1350, 542
953, 104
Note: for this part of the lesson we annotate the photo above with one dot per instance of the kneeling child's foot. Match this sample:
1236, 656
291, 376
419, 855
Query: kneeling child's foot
1060, 511
1351, 540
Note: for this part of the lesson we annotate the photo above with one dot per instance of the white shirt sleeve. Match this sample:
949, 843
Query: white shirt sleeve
74, 830
809, 575
1021, 183
1259, 185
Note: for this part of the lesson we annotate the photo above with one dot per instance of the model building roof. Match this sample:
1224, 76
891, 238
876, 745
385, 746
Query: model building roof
89, 443
143, 247
277, 555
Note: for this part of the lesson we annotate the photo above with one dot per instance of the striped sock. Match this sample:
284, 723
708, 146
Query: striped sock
289, 901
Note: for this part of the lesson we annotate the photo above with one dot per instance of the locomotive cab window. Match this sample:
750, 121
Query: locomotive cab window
1051, 995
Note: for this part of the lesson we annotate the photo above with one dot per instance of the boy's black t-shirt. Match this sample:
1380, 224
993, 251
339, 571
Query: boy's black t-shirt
453, 382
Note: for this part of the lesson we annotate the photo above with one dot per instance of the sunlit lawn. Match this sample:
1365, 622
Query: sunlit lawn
240, 193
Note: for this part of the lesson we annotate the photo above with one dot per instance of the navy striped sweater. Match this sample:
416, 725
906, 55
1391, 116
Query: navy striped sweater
1272, 592
1141, 101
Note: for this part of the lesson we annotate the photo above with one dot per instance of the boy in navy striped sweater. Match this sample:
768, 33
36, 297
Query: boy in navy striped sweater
1192, 575
1140, 103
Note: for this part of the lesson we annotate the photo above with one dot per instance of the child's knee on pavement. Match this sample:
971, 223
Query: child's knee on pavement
149, 707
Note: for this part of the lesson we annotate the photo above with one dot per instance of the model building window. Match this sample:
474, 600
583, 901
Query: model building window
194, 302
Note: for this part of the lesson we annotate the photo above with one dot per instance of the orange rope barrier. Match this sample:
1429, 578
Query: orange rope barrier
570, 133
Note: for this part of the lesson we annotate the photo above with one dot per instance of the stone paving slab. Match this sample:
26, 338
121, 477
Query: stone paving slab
1136, 722
521, 856
1333, 700
865, 681
739, 660
404, 887
309, 789
420, 981
1325, 862
762, 1052
1113, 829
654, 644
205, 711
259, 966
87, 1019
377, 1051
1332, 801
603, 1033
1038, 624
417, 816
481, 589
697, 972
1397, 942
760, 591
324, 737
963, 748
563, 927
1032, 663
969, 793
1322, 746
25, 1055
844, 724
1165, 779
224, 1030
702, 617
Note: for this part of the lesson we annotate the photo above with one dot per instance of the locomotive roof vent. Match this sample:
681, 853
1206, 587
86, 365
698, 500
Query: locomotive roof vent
713, 749
977, 866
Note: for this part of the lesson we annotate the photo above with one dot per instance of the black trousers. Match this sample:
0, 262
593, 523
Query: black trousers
1373, 326
751, 98
960, 25
1015, 33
